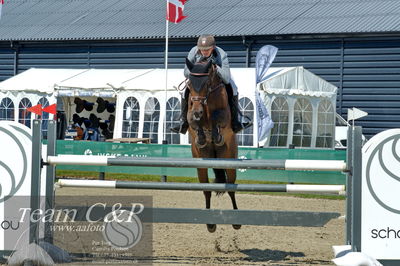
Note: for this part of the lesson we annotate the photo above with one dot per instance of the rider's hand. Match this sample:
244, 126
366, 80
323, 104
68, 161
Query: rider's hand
213, 60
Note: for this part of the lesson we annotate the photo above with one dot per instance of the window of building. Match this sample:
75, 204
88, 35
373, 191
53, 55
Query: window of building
151, 119
326, 125
24, 116
7, 109
130, 121
302, 123
245, 137
280, 116
45, 116
172, 117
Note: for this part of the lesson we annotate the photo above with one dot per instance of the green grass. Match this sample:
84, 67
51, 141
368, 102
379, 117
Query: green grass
155, 178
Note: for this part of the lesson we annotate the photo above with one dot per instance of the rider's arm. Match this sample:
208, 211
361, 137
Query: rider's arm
224, 71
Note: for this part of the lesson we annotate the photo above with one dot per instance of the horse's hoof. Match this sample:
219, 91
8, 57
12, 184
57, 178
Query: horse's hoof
220, 141
211, 228
236, 226
199, 145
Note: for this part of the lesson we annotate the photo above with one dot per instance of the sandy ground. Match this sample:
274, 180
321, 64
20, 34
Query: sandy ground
184, 244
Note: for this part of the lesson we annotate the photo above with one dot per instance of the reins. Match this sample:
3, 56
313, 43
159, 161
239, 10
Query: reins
185, 84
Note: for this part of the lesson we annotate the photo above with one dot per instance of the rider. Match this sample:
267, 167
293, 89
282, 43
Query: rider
207, 50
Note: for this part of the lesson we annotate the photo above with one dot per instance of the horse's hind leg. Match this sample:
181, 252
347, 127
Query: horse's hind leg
210, 227
233, 199
203, 178
231, 173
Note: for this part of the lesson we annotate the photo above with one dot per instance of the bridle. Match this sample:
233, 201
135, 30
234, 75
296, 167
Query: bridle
203, 99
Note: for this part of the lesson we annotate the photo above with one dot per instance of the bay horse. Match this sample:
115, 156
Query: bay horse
210, 130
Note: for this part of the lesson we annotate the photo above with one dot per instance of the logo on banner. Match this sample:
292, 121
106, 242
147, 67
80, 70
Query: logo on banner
14, 159
383, 173
88, 152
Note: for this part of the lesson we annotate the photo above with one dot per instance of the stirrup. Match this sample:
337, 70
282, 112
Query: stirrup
237, 127
181, 128
247, 124
241, 126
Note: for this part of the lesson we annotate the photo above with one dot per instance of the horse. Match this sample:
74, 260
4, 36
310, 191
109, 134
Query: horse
210, 130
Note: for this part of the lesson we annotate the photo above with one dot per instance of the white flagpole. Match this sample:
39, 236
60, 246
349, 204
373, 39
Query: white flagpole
166, 74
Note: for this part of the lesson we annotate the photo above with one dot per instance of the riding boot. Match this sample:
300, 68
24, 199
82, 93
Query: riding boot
237, 121
183, 123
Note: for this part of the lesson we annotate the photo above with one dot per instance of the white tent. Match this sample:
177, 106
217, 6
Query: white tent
37, 80
122, 85
303, 108
296, 81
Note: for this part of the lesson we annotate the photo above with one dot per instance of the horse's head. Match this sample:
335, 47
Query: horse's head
208, 107
200, 78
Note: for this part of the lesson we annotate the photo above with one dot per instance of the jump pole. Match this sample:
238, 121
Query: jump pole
334, 189
290, 165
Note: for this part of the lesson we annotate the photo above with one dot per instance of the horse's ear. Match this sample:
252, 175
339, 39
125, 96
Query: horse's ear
208, 64
189, 64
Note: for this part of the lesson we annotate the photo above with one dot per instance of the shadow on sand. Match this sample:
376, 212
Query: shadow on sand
258, 255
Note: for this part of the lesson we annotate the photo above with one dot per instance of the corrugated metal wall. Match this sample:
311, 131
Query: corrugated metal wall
6, 61
366, 70
371, 81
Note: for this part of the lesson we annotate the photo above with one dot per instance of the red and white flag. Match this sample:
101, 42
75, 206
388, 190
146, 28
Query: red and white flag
174, 10
1, 5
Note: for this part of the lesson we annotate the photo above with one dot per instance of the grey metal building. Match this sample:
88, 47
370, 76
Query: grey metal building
354, 44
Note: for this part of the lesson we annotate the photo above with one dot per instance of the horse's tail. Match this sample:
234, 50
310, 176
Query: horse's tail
220, 177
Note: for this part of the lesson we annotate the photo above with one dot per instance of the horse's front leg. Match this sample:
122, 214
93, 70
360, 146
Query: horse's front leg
217, 138
202, 173
217, 123
200, 138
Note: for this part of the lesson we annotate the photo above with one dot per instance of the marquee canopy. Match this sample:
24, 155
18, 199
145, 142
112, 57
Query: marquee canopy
108, 82
296, 81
